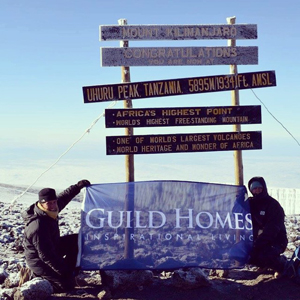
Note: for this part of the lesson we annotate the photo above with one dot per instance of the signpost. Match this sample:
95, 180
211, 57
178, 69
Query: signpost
177, 32
178, 56
180, 86
180, 116
175, 143
126, 56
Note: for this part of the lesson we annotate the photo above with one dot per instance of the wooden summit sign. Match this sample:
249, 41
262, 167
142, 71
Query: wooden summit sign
177, 32
181, 86
178, 56
179, 116
175, 143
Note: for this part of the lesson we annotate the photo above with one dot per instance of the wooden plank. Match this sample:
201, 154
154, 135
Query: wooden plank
180, 86
177, 32
179, 116
178, 56
176, 143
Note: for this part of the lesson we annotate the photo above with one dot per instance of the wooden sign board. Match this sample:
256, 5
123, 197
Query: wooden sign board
181, 86
178, 56
176, 143
177, 32
178, 116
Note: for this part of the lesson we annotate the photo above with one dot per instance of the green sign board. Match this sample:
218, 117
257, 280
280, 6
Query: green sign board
178, 56
176, 143
180, 116
180, 86
177, 32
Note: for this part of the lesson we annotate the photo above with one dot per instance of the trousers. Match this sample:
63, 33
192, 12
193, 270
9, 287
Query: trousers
269, 257
68, 250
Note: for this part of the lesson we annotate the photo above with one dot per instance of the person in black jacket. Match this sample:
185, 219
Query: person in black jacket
269, 232
47, 254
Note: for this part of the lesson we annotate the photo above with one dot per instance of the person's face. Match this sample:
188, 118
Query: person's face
50, 205
257, 191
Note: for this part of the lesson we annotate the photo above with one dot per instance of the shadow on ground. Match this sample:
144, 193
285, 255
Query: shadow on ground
238, 285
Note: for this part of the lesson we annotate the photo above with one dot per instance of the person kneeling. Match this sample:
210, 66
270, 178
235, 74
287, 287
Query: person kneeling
47, 254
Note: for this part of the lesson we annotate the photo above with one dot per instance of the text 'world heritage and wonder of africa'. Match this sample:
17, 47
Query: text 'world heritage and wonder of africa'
175, 143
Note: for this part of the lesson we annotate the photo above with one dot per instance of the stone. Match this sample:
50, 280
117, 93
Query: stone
3, 275
105, 294
127, 279
191, 278
35, 289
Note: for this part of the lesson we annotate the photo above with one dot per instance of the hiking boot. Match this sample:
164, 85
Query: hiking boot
278, 275
79, 282
25, 275
292, 267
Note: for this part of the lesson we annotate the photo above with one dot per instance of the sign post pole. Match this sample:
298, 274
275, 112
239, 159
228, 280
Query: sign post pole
129, 159
125, 72
235, 101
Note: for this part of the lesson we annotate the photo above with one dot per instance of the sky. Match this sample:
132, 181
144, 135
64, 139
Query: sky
51, 49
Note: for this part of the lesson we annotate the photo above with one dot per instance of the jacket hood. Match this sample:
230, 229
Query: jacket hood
262, 182
31, 213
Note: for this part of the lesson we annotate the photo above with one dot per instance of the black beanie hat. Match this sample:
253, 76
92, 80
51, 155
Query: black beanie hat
46, 195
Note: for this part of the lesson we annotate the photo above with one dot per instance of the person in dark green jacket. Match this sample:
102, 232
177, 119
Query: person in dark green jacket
47, 254
269, 232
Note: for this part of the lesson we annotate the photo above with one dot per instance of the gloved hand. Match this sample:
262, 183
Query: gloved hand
83, 183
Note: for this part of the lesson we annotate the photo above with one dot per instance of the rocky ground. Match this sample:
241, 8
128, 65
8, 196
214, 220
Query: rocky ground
239, 284
246, 283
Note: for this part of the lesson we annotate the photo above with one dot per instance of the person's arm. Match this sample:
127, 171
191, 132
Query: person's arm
275, 219
67, 195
